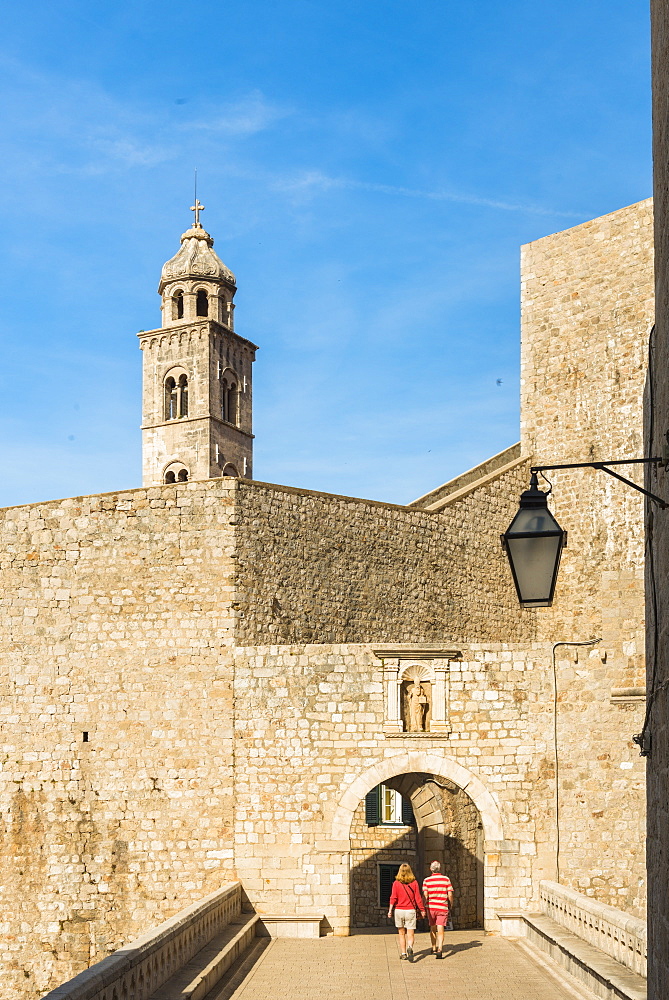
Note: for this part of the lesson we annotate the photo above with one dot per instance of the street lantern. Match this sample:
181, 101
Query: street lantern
534, 542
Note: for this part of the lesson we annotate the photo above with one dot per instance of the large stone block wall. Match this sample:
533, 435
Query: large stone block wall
657, 526
587, 307
319, 568
309, 726
117, 618
587, 310
115, 615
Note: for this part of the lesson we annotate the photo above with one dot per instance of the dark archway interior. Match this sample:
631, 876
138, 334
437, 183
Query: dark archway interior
446, 827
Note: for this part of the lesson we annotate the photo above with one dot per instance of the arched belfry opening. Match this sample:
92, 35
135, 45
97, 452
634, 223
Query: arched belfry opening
416, 818
202, 303
176, 472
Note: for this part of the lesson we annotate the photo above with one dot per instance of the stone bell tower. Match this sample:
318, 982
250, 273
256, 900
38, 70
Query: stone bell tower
196, 395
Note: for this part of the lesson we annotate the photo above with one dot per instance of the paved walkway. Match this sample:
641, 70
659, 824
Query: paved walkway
367, 967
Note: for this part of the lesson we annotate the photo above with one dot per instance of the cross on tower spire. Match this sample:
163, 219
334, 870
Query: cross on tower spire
197, 208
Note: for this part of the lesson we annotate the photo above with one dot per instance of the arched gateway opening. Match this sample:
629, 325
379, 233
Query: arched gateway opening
427, 808
415, 818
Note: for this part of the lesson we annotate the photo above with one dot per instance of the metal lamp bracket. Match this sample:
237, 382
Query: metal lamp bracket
605, 467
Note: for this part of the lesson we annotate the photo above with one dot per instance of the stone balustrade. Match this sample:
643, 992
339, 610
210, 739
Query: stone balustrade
143, 965
608, 929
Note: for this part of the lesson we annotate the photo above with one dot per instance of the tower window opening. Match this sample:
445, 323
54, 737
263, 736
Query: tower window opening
202, 303
171, 399
229, 401
178, 305
176, 397
183, 395
176, 472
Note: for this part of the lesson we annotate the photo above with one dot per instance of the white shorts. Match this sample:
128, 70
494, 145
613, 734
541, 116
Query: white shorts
405, 918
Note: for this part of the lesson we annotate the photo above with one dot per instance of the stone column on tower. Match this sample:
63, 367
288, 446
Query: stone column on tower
197, 380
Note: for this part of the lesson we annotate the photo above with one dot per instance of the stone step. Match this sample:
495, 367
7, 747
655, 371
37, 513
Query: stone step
199, 976
304, 925
235, 976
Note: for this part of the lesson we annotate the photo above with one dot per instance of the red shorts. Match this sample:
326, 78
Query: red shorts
438, 918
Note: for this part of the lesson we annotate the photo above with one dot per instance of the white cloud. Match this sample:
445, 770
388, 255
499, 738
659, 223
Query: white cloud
74, 126
315, 180
247, 116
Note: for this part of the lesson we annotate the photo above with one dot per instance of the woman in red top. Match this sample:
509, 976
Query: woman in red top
405, 900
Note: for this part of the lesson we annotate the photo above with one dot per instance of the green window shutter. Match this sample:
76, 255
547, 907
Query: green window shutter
407, 812
372, 807
387, 875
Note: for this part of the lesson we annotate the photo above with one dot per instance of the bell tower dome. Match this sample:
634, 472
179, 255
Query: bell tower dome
196, 396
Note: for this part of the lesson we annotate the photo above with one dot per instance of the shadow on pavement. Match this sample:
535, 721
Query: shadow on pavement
451, 949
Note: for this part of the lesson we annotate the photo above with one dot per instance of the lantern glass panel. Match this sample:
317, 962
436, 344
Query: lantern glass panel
534, 519
535, 561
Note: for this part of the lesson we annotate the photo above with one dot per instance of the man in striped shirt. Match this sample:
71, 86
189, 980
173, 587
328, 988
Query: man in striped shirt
438, 894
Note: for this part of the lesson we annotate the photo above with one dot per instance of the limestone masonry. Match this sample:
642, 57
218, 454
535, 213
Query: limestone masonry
210, 677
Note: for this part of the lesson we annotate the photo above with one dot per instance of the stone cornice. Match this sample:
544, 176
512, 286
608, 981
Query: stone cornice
188, 326
189, 420
422, 651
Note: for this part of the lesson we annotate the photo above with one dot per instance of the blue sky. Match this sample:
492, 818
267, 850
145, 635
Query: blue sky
369, 170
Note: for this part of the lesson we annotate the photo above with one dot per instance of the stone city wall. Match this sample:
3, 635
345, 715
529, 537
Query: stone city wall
115, 717
319, 568
587, 307
587, 310
309, 724
117, 618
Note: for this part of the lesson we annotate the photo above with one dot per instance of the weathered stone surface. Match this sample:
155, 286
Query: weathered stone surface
318, 568
587, 310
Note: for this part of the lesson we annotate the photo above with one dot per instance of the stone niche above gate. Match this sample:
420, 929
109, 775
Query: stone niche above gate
416, 690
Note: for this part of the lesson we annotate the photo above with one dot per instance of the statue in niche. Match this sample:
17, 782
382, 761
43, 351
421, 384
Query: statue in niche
417, 704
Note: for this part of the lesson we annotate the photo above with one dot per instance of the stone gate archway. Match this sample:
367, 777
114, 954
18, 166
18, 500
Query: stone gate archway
455, 817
